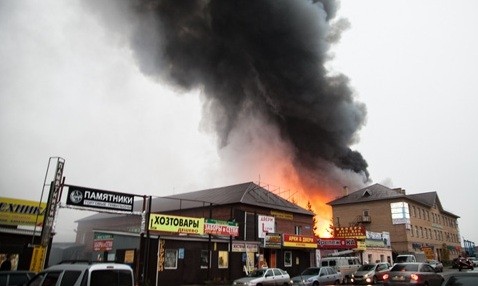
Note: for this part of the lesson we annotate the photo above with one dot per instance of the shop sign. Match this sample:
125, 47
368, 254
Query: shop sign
357, 232
221, 227
336, 243
179, 224
238, 247
21, 212
273, 240
265, 225
252, 247
361, 246
103, 241
99, 199
244, 247
38, 258
429, 254
282, 215
302, 241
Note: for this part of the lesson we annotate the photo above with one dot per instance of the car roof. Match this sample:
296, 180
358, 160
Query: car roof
94, 266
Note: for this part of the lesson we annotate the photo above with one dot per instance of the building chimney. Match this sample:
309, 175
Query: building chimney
400, 191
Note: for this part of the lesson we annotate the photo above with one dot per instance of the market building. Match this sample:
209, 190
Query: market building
416, 223
216, 234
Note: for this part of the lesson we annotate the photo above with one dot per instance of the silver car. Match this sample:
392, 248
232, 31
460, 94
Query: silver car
314, 276
265, 276
412, 273
371, 273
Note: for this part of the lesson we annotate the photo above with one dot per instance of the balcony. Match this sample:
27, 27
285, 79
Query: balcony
364, 219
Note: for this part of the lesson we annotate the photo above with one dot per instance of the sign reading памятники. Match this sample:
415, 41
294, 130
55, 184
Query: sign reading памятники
92, 198
180, 224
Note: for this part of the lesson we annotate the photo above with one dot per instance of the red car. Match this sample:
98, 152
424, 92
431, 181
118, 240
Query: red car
462, 263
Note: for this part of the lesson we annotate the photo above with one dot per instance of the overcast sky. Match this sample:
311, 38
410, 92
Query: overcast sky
71, 88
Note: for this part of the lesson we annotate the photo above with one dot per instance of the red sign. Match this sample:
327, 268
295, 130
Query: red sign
336, 243
300, 241
350, 232
103, 245
221, 229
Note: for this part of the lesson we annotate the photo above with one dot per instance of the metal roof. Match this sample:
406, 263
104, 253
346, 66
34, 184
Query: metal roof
246, 193
379, 192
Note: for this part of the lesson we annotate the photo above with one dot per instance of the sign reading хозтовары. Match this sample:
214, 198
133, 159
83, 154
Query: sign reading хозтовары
99, 199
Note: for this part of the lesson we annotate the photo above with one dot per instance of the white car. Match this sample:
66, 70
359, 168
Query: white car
313, 276
265, 276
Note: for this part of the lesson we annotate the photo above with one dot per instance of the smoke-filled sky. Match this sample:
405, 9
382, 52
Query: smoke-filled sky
160, 98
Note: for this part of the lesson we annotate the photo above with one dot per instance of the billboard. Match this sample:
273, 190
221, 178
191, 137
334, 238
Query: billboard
221, 227
21, 212
179, 224
99, 199
266, 224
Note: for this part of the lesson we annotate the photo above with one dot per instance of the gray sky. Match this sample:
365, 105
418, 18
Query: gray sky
71, 88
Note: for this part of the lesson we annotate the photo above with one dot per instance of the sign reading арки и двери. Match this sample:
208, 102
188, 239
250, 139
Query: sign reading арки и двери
99, 199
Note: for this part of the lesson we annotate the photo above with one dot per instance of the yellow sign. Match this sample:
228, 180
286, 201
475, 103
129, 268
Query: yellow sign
282, 215
21, 212
429, 254
38, 258
361, 245
180, 224
129, 256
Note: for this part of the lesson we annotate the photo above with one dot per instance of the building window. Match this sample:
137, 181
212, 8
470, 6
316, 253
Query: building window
411, 230
365, 212
170, 259
298, 229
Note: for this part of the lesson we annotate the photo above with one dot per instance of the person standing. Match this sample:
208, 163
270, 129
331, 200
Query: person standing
7, 264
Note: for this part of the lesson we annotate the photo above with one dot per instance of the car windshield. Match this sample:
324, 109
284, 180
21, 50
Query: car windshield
366, 267
311, 271
257, 273
405, 267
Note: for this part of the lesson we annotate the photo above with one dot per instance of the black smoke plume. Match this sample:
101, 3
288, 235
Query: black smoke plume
263, 57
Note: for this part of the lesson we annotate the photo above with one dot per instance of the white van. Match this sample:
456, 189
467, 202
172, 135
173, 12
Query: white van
85, 274
405, 258
345, 265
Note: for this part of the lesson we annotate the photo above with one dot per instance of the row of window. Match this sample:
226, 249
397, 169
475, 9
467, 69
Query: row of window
434, 217
437, 234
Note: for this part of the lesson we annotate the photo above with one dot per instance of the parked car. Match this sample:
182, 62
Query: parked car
412, 273
462, 263
314, 276
85, 274
437, 265
371, 273
17, 277
460, 278
265, 276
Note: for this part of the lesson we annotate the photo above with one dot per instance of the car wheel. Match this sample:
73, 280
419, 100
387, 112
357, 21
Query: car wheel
315, 283
375, 280
337, 282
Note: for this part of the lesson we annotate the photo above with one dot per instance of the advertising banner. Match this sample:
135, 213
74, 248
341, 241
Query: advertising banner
265, 225
273, 240
221, 227
99, 199
336, 243
21, 212
179, 224
103, 241
301, 241
357, 232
